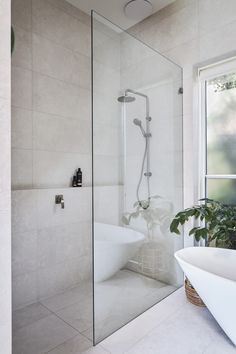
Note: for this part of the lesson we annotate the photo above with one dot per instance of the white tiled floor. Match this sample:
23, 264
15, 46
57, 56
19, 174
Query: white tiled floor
173, 326
63, 323
54, 325
123, 297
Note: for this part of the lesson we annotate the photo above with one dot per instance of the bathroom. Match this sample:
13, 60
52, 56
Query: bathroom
105, 138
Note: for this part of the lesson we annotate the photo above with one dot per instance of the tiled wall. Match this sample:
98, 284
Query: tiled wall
5, 188
191, 32
51, 137
107, 124
51, 133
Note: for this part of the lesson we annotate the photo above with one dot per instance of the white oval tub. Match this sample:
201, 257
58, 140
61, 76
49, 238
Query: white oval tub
113, 247
212, 271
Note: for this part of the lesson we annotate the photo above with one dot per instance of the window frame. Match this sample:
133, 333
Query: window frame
204, 74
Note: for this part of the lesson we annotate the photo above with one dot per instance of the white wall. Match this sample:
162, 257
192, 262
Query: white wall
191, 32
5, 201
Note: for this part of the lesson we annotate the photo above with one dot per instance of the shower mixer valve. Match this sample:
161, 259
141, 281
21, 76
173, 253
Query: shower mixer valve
59, 199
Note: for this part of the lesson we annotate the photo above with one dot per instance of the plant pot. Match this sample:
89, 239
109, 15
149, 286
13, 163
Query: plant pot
192, 295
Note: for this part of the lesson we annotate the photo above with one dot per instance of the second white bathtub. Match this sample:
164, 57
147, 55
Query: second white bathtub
113, 247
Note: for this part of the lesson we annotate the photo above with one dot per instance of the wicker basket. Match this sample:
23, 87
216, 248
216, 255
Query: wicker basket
192, 295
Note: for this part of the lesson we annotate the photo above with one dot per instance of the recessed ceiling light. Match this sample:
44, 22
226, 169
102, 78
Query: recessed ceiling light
138, 9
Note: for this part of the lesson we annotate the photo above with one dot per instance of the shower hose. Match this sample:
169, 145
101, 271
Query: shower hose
143, 204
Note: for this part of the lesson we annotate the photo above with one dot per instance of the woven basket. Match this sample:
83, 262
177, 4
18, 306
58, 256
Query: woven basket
192, 295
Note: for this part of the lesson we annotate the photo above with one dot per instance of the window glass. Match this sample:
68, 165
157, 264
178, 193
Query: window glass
223, 190
221, 125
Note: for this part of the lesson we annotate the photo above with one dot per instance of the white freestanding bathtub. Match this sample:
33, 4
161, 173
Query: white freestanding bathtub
113, 247
212, 272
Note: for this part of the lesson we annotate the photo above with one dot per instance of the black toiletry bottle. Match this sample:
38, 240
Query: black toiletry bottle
79, 178
74, 181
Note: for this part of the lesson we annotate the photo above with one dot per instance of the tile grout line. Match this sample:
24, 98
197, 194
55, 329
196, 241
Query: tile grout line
54, 313
33, 71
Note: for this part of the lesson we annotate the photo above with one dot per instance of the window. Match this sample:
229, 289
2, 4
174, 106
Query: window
218, 113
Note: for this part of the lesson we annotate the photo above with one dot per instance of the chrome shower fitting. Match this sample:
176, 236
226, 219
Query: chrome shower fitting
126, 98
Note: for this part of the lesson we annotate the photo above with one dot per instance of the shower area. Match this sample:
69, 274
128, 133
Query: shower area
137, 175
87, 260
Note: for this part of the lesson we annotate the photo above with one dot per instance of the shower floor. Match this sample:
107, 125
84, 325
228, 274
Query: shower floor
62, 324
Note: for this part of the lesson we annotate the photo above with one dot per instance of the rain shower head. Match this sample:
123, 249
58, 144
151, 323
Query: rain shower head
126, 99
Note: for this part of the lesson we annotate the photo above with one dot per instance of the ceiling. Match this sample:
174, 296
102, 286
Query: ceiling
113, 9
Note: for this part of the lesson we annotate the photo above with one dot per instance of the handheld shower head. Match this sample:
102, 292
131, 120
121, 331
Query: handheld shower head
138, 122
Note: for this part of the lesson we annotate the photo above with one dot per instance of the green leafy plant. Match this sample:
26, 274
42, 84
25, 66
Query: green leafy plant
218, 223
158, 213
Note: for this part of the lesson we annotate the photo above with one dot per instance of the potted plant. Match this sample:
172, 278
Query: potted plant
155, 212
217, 226
217, 223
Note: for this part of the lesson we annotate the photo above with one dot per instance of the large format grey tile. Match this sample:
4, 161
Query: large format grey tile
77, 206
191, 330
21, 87
211, 46
77, 294
24, 290
22, 54
62, 243
60, 98
57, 278
28, 315
71, 10
22, 13
24, 210
56, 169
42, 336
21, 128
185, 55
111, 140
71, 67
60, 27
97, 350
108, 201
24, 252
111, 167
171, 31
220, 345
114, 307
75, 345
62, 134
211, 16
22, 172
78, 315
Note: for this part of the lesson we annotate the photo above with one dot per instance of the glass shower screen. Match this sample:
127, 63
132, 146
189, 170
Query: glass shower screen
137, 175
